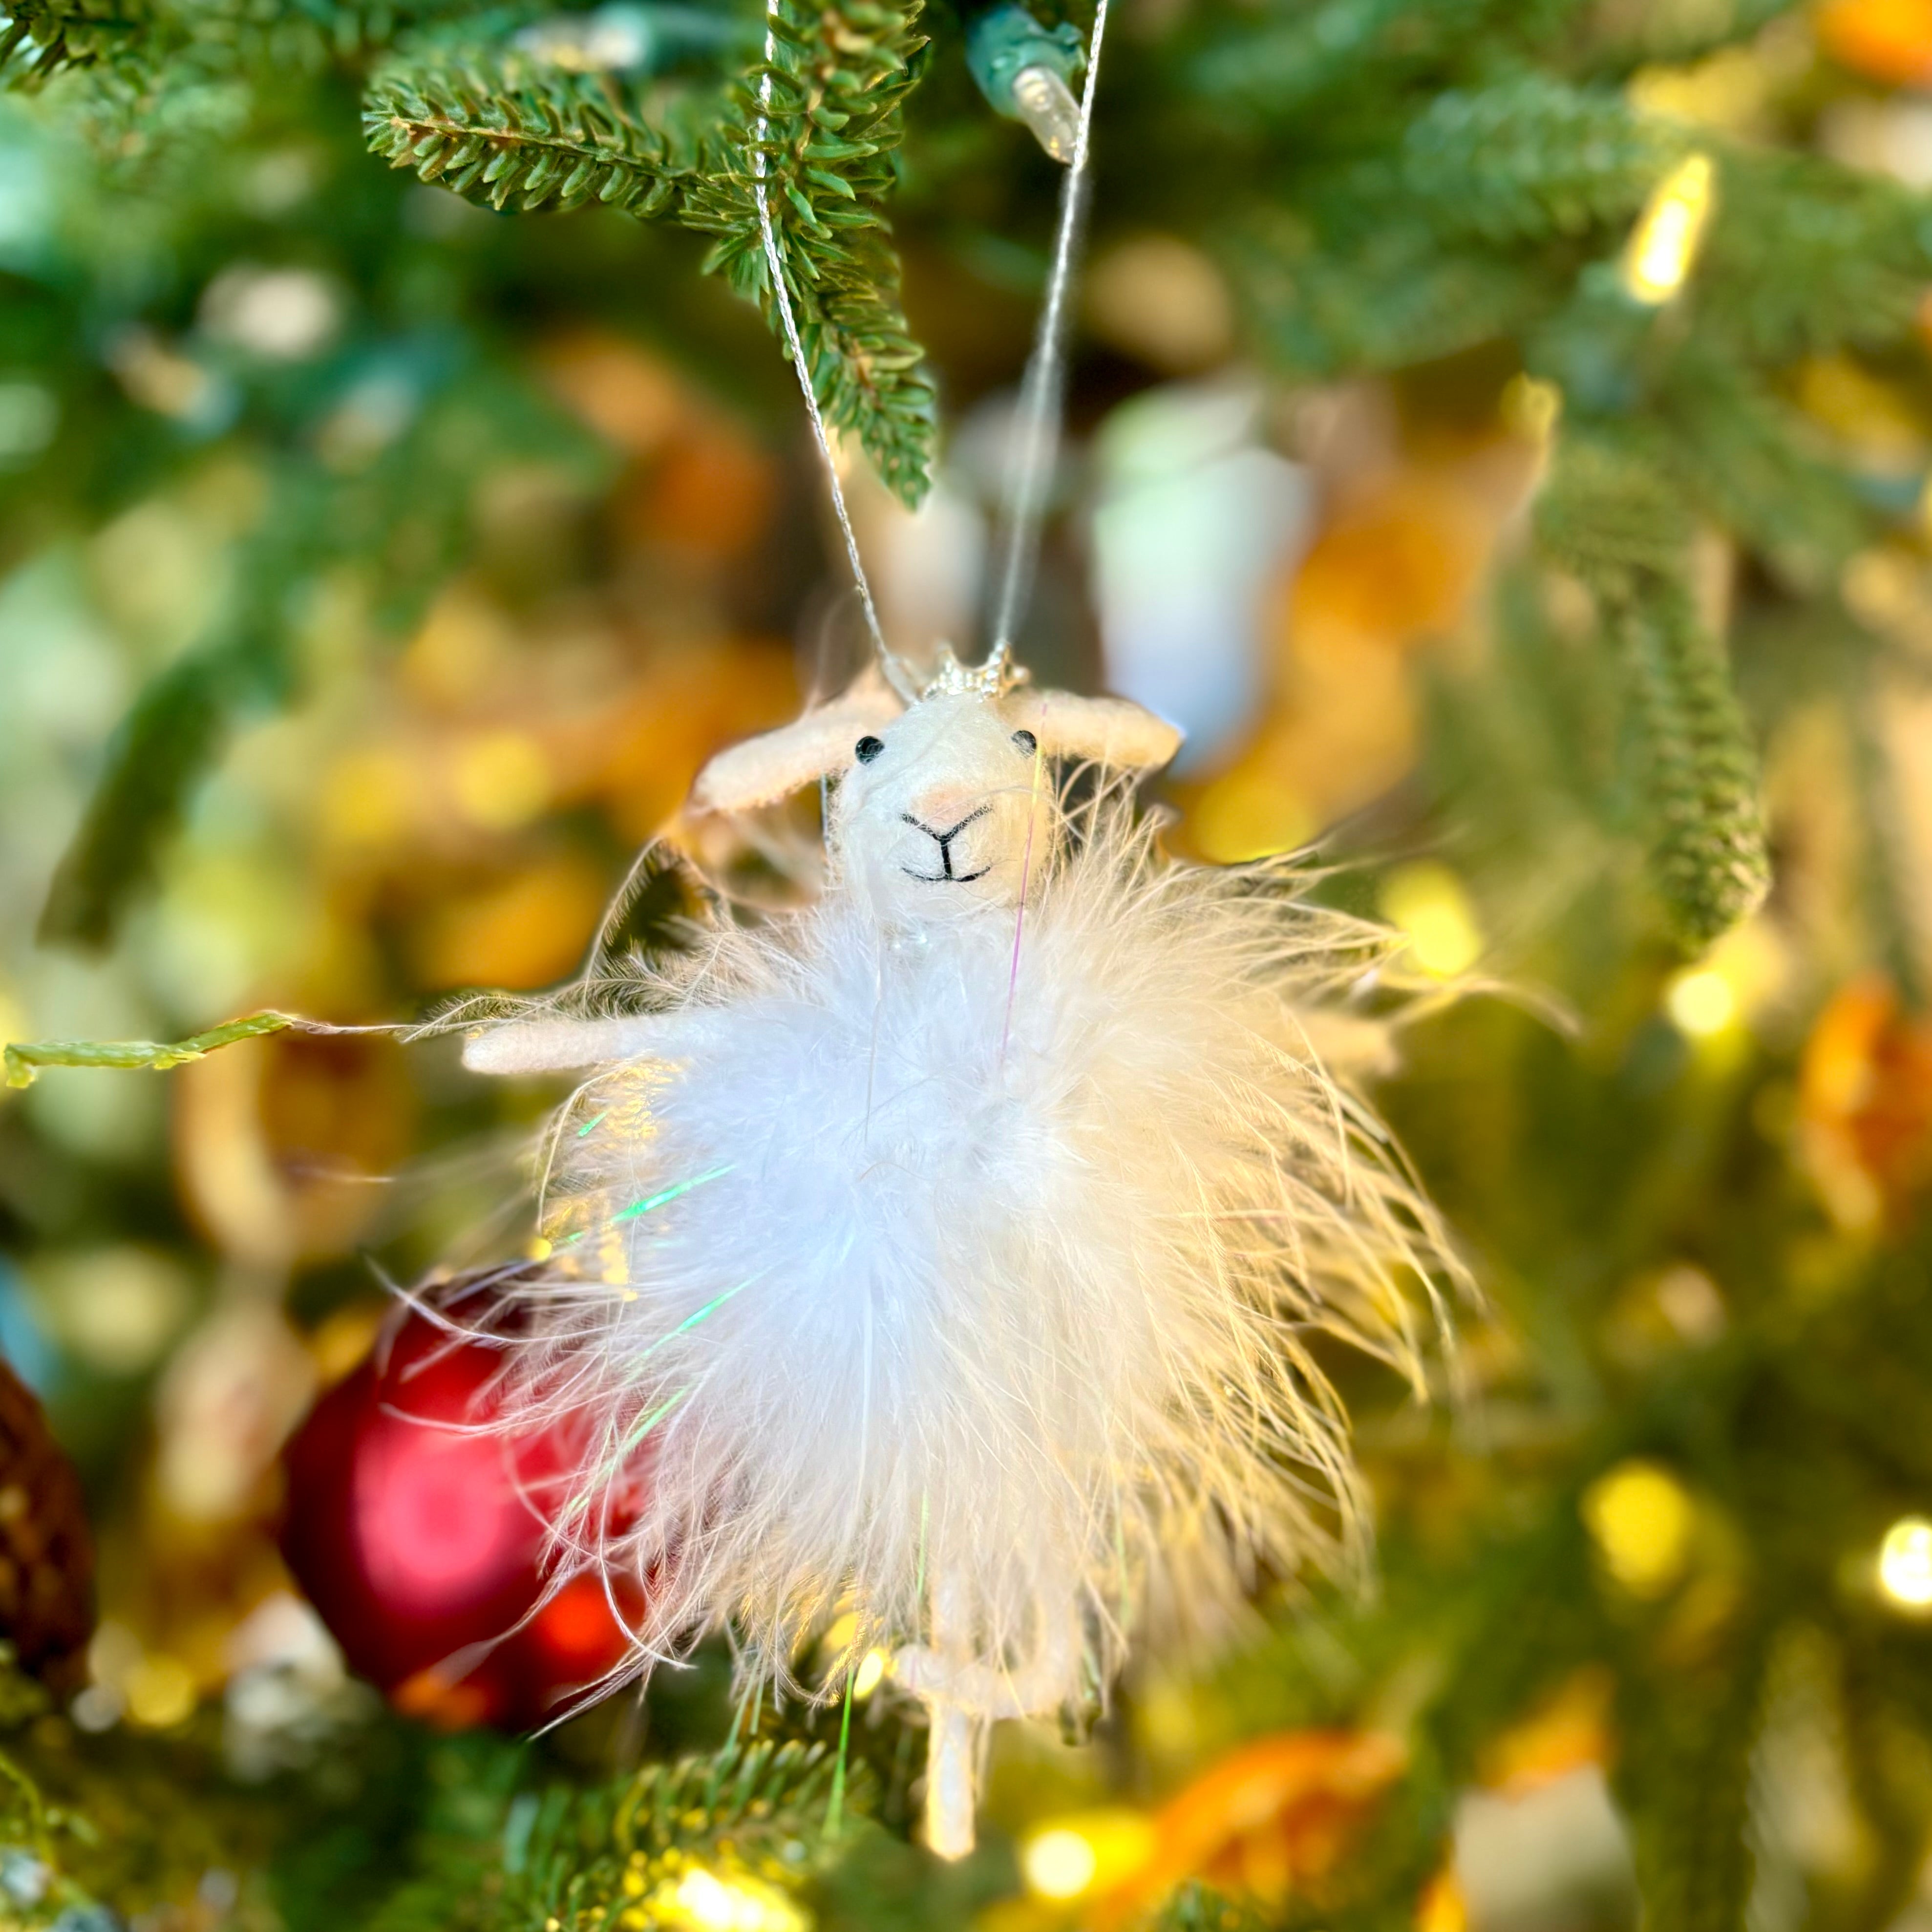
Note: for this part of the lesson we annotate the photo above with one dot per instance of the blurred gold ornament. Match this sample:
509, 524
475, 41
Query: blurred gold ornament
371, 799
528, 929
623, 392
1888, 40
1248, 812
1864, 1105
637, 756
1570, 1730
1158, 298
1397, 564
1643, 1521
708, 495
465, 649
500, 779
1403, 549
1274, 1818
279, 1148
1664, 246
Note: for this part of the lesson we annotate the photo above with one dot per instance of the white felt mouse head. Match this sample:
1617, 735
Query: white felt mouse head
944, 807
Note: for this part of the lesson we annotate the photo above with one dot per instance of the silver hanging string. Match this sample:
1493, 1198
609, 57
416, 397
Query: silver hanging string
898, 673
1036, 448
1035, 451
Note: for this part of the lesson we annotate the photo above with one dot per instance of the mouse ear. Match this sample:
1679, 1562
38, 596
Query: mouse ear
763, 769
1108, 730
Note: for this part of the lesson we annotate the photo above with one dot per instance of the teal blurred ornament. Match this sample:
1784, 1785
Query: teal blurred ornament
1023, 69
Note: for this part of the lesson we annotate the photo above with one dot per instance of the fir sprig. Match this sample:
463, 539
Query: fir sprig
753, 1813
825, 113
1614, 523
40, 38
822, 119
516, 131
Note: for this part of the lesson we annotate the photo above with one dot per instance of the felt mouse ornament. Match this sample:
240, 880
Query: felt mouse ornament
953, 1240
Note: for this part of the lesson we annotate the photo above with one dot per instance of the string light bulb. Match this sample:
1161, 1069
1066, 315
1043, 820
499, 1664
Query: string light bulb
1427, 902
1642, 1521
1664, 246
1701, 1001
1059, 1864
1045, 103
1905, 1565
1023, 68
1092, 1851
702, 1902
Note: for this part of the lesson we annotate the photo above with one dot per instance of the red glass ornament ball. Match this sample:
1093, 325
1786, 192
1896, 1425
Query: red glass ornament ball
414, 1524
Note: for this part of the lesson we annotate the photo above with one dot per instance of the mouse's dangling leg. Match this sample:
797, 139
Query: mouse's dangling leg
950, 1745
951, 1748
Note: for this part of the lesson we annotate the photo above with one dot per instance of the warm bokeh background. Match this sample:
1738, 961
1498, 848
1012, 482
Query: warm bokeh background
527, 509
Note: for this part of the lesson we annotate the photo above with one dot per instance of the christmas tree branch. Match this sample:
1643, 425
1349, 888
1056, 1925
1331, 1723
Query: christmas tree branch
501, 127
542, 139
25, 1060
1614, 523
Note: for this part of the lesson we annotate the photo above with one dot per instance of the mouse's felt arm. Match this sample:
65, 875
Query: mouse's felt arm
557, 1045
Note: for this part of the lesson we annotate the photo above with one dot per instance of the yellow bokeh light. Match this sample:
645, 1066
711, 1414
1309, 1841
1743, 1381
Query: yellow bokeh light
1905, 1564
1701, 1001
702, 1902
1248, 813
501, 779
1427, 902
867, 1678
1664, 246
1642, 1520
369, 798
1090, 1851
1530, 406
1059, 1864
1442, 1907
159, 1692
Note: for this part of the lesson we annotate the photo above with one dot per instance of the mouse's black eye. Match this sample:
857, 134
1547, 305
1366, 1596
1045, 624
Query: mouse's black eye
1026, 741
867, 748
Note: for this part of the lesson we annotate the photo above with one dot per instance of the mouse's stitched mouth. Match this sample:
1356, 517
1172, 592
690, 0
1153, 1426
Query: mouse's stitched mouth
944, 841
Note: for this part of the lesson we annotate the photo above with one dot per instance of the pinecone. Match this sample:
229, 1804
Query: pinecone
46, 1554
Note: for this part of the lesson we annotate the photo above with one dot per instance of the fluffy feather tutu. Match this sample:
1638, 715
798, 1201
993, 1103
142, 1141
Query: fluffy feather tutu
962, 1278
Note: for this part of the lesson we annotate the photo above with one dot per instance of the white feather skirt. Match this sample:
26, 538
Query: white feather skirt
963, 1280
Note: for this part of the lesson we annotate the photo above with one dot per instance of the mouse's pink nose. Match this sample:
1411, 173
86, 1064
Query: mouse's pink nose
942, 806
